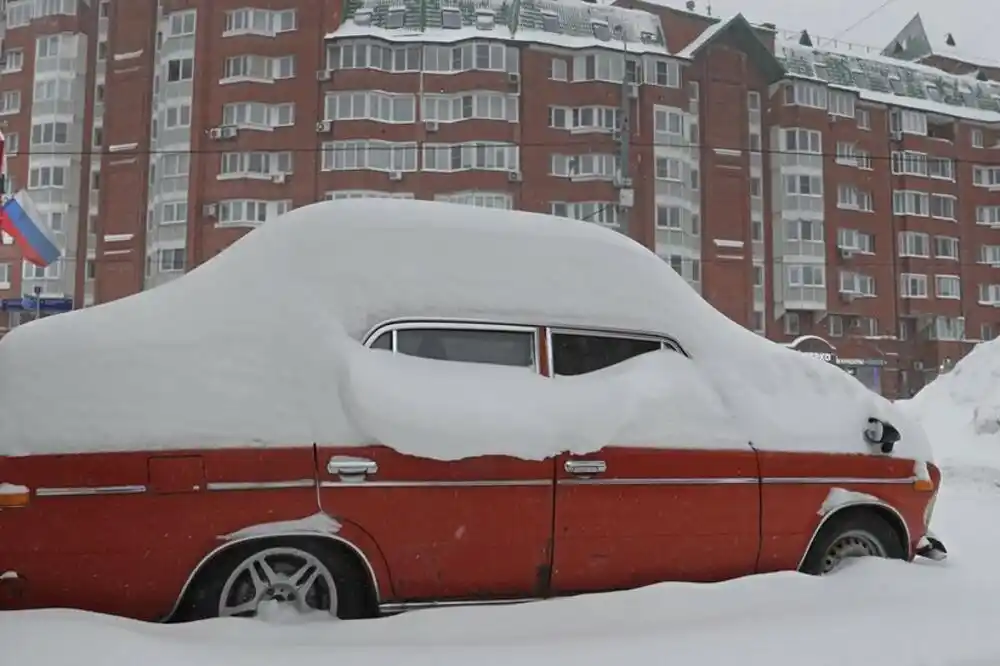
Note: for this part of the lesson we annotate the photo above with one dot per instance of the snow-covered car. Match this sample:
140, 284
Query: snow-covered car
368, 406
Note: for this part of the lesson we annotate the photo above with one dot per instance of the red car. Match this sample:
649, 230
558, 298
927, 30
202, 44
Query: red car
544, 408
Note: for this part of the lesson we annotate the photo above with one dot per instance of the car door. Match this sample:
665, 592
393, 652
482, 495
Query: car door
626, 517
466, 529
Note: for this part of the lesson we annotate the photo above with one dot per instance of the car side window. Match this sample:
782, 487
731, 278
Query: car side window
469, 345
383, 341
580, 353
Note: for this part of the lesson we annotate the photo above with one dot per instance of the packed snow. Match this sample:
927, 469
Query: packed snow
230, 355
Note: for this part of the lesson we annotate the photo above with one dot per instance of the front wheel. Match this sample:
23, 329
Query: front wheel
851, 535
302, 575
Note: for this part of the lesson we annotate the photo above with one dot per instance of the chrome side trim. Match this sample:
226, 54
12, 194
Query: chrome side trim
260, 485
403, 606
737, 480
827, 480
236, 542
511, 483
89, 490
847, 505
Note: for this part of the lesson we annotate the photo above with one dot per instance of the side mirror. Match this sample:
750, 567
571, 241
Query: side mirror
881, 434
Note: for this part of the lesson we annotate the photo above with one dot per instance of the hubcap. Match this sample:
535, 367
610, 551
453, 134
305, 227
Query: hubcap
856, 543
287, 576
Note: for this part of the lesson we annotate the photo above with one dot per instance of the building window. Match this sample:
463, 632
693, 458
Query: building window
948, 286
378, 106
976, 138
946, 247
801, 93
941, 168
908, 122
335, 195
668, 121
905, 202
600, 212
660, 72
810, 186
172, 260
912, 285
478, 156
370, 155
12, 144
669, 217
258, 68
988, 215
987, 332
852, 198
857, 284
363, 55
173, 212
180, 69
477, 105
669, 168
47, 176
10, 102
559, 70
835, 326
806, 275
13, 61
30, 271
182, 23
989, 294
909, 163
792, 326
797, 140
592, 166
990, 255
948, 328
864, 118
256, 164
914, 244
177, 116
263, 22
259, 115
841, 104
982, 176
585, 118
942, 206
501, 200
853, 240
237, 212
483, 56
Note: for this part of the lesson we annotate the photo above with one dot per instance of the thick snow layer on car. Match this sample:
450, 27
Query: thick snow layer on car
960, 409
259, 347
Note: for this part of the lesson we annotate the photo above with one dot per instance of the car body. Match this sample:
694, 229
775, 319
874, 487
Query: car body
141, 511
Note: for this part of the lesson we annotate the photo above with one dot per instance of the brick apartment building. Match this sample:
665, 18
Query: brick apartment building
837, 199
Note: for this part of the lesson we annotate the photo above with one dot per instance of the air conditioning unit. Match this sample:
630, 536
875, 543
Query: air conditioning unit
513, 78
396, 175
514, 176
616, 135
622, 182
323, 126
431, 125
633, 91
896, 135
322, 75
918, 365
215, 133
228, 131
846, 252
280, 178
210, 210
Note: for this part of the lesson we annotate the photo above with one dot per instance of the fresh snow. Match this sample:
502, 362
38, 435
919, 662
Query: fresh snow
13, 489
230, 355
840, 497
318, 523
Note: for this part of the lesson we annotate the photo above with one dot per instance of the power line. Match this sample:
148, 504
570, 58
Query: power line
864, 19
995, 161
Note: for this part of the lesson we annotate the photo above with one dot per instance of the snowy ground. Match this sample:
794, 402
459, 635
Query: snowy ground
879, 612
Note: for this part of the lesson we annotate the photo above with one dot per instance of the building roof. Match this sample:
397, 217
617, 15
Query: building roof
744, 34
572, 24
878, 78
914, 42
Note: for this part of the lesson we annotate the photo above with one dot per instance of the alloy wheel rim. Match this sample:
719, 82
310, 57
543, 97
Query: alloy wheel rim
290, 577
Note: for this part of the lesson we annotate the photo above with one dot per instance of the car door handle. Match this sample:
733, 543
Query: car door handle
356, 468
586, 467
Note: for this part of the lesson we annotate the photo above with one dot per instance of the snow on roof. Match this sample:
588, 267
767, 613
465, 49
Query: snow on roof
885, 80
711, 31
572, 24
260, 346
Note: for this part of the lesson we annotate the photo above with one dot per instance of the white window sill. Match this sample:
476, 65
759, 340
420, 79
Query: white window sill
244, 79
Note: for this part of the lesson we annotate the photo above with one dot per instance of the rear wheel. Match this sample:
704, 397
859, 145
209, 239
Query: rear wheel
859, 533
302, 575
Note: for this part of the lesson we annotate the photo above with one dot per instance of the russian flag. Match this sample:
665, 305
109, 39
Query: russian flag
20, 219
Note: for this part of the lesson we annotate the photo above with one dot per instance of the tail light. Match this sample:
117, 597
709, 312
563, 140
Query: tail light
13, 496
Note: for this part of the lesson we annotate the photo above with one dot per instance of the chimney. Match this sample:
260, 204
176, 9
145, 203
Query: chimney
949, 40
805, 40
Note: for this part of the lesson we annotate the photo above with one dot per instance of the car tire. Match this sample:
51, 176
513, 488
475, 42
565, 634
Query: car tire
232, 580
849, 534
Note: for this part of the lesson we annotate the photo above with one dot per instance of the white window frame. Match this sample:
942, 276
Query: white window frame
913, 285
948, 287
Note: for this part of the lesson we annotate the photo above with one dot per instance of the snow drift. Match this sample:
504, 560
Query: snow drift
260, 347
960, 410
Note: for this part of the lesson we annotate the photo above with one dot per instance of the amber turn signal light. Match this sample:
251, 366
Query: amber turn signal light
924, 484
14, 497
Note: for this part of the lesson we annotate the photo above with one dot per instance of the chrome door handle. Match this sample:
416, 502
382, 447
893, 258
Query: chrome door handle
355, 468
586, 467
